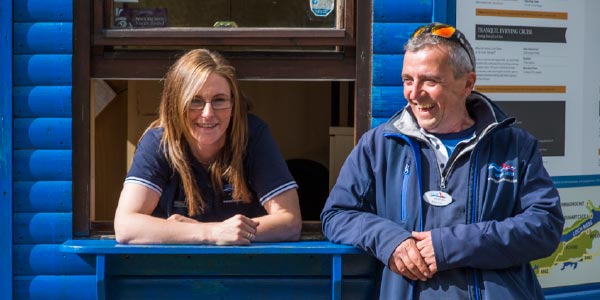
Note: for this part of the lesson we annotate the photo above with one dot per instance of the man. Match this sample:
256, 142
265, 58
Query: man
448, 194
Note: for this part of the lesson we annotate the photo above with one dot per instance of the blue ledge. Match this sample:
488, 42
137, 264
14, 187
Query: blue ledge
103, 248
112, 247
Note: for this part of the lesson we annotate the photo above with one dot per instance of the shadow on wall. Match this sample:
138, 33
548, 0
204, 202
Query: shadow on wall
313, 186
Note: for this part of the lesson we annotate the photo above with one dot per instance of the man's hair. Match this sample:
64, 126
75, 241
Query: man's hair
458, 56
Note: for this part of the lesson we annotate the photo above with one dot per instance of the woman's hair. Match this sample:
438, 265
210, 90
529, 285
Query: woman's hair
181, 83
458, 56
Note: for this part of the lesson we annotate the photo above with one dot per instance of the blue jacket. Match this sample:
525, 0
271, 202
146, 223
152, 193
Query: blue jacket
505, 210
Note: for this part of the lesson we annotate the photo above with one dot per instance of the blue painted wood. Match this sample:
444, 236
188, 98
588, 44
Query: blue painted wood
43, 196
42, 133
240, 264
378, 121
440, 11
101, 277
451, 12
42, 69
387, 100
42, 101
235, 288
53, 287
402, 11
389, 38
45, 165
42, 11
46, 38
336, 277
387, 69
102, 248
110, 246
47, 259
6, 136
42, 228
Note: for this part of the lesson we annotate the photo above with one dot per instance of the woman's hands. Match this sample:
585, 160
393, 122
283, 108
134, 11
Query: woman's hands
134, 223
237, 230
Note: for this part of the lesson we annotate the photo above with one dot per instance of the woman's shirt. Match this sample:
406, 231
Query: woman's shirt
265, 171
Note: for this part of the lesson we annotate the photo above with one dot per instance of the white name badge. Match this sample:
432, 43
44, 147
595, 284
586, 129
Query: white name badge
437, 198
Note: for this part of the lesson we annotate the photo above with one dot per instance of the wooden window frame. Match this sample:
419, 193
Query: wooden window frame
343, 35
95, 56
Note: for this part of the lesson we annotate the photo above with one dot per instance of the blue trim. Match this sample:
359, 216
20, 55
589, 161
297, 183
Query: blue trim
405, 190
579, 292
474, 214
417, 152
576, 181
110, 246
6, 117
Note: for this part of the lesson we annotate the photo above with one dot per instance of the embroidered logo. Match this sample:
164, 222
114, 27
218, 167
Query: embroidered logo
504, 172
180, 203
228, 191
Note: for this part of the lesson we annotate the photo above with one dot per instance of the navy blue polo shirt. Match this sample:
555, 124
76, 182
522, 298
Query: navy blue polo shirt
265, 170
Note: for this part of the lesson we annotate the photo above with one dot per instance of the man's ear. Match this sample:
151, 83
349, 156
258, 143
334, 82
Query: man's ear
471, 77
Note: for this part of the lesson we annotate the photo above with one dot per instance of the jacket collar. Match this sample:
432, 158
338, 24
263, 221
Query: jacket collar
487, 116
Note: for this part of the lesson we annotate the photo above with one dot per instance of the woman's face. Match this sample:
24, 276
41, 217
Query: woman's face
210, 114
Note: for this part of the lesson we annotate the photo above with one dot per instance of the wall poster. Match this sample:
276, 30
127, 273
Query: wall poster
538, 59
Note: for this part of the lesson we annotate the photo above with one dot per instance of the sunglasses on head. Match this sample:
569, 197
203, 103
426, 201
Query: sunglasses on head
447, 32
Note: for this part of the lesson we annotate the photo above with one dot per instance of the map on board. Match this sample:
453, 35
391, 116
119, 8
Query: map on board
577, 255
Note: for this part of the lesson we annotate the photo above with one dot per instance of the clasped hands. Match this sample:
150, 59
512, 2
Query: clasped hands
414, 258
237, 230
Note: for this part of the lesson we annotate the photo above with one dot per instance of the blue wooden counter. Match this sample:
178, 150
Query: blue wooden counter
291, 270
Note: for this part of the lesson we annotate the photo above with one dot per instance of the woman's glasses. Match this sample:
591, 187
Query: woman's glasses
447, 32
220, 103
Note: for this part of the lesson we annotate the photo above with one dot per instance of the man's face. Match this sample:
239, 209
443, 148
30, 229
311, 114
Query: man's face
436, 97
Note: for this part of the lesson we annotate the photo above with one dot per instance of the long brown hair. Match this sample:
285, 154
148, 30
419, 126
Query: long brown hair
185, 77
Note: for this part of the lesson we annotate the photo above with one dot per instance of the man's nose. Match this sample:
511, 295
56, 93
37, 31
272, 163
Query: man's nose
413, 91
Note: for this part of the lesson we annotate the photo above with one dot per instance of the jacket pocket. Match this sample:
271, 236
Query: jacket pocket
404, 191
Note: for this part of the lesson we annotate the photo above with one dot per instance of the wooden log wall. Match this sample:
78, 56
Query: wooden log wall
42, 151
393, 22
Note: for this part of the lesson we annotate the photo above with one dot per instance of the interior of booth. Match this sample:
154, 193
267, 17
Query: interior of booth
311, 121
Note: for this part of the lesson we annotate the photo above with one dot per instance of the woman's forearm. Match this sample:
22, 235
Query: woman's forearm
138, 228
278, 227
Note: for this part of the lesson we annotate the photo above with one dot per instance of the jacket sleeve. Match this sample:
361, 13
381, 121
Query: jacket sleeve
533, 231
350, 213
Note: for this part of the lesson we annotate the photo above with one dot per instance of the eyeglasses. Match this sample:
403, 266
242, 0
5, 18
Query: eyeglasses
217, 104
447, 32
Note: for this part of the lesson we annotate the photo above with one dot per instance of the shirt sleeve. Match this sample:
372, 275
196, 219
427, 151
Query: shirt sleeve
268, 174
149, 167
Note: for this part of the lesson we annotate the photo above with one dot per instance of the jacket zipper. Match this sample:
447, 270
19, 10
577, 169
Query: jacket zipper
404, 191
474, 214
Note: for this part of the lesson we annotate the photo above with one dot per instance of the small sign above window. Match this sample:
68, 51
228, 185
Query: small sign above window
321, 8
141, 17
245, 13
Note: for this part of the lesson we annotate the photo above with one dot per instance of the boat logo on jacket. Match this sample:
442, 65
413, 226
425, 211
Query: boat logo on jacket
500, 173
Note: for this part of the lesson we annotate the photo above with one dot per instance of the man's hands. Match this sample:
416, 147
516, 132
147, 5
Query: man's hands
425, 246
414, 258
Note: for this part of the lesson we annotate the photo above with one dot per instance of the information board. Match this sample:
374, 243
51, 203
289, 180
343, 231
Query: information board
538, 59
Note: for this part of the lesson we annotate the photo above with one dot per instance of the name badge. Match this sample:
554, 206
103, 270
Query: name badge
437, 198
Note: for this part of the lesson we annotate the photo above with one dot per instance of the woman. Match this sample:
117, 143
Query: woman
206, 171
